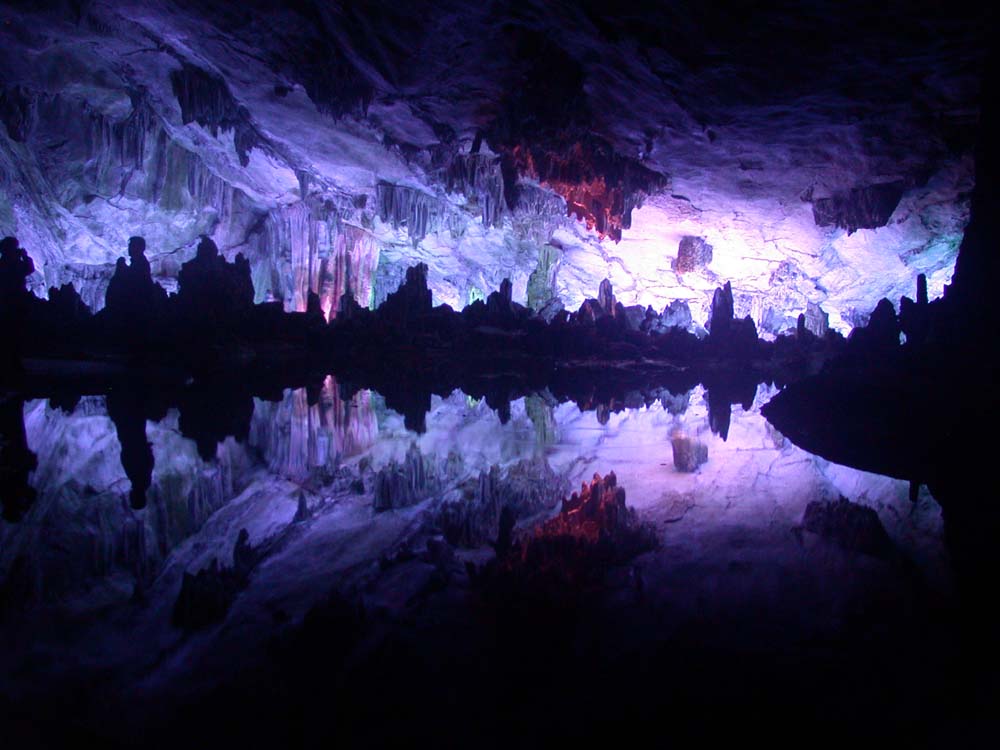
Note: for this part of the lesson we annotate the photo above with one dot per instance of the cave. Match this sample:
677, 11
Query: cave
498, 373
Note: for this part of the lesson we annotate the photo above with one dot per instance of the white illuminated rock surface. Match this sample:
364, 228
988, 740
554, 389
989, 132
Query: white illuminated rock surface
739, 161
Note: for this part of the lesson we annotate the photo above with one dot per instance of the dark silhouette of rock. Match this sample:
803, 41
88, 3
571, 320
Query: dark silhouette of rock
135, 306
128, 412
15, 302
67, 306
213, 294
500, 303
853, 527
348, 308
116, 296
15, 268
240, 283
16, 460
314, 308
205, 598
212, 412
721, 317
914, 317
728, 336
865, 207
881, 333
724, 391
405, 307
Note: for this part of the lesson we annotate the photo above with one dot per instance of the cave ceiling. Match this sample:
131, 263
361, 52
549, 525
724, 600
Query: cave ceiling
811, 153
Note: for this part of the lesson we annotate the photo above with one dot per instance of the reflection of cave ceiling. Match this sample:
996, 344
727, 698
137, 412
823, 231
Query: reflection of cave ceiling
821, 154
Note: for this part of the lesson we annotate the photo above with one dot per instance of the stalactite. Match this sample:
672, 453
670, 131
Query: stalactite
205, 98
537, 212
352, 266
419, 212
865, 207
306, 247
478, 177
113, 151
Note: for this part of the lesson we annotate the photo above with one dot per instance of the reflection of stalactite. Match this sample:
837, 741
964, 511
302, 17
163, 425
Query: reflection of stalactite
82, 537
306, 248
350, 425
297, 438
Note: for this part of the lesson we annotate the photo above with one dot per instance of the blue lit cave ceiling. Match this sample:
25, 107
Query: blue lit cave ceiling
817, 155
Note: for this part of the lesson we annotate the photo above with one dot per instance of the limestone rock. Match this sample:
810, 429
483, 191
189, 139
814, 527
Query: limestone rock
689, 453
692, 253
853, 527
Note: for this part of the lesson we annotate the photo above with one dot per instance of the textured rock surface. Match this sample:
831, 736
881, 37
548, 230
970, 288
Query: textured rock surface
335, 144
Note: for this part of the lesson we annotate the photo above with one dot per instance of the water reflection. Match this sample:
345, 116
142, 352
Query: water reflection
700, 463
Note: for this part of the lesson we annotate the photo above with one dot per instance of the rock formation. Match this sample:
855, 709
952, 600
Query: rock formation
561, 136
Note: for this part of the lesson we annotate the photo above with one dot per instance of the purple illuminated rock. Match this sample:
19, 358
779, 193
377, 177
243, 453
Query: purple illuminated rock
399, 485
632, 316
676, 315
551, 309
522, 491
606, 297
817, 322
239, 132
692, 253
689, 453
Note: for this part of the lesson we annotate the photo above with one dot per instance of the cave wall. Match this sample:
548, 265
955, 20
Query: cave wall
564, 162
